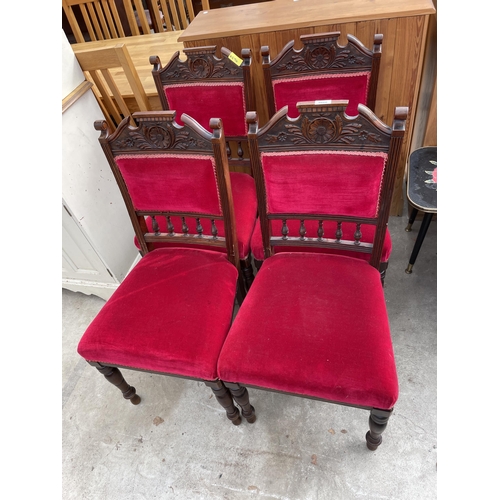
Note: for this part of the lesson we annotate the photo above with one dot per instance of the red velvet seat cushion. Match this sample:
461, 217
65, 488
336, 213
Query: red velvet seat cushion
330, 228
245, 211
351, 86
203, 101
316, 325
171, 314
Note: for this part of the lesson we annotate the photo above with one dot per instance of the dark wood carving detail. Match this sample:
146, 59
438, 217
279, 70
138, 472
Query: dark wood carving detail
322, 54
301, 238
321, 231
157, 135
201, 64
321, 128
214, 229
338, 234
357, 234
170, 226
284, 230
156, 227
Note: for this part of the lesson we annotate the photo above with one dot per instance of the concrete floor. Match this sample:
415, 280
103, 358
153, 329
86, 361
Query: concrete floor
178, 443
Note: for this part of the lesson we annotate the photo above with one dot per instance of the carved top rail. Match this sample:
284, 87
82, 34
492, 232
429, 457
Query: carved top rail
322, 125
202, 64
323, 53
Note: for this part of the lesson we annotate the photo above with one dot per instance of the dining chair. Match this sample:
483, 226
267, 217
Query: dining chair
322, 69
172, 15
204, 85
92, 20
314, 324
97, 63
171, 313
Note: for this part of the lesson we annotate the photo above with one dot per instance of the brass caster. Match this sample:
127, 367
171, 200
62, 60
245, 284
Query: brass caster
408, 228
408, 270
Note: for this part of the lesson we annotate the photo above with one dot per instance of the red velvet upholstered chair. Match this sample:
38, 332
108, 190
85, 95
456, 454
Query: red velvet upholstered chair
315, 324
322, 69
204, 86
172, 312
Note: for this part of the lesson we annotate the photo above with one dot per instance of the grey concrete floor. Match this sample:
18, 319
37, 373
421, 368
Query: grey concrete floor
178, 443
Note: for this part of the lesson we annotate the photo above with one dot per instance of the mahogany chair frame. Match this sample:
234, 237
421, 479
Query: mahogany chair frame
202, 65
322, 54
366, 133
158, 133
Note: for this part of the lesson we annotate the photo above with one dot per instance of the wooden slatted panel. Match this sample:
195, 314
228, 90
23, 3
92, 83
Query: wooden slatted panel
129, 10
175, 17
166, 16
142, 16
182, 13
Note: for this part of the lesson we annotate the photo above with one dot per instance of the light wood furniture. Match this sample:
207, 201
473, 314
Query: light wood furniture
404, 24
171, 15
97, 63
102, 18
140, 48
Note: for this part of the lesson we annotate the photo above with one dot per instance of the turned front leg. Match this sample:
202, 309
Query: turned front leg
378, 422
114, 376
225, 400
240, 395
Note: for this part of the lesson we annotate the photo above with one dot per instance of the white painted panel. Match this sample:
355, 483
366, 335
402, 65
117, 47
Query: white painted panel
90, 189
79, 259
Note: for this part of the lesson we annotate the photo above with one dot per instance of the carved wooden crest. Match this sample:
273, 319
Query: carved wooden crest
323, 129
158, 135
322, 54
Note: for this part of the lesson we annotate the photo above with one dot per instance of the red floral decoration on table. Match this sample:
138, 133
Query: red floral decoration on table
432, 182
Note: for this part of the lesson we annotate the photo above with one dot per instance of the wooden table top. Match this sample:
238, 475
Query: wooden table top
290, 14
140, 48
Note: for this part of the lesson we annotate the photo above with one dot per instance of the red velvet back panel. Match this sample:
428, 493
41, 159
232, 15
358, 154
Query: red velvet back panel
176, 183
204, 101
323, 182
353, 86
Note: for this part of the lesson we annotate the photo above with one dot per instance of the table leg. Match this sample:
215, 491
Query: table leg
420, 238
411, 220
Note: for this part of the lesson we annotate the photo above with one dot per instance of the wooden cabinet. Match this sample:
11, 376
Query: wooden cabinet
97, 235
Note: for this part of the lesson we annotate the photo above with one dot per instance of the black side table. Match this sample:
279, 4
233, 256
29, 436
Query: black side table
422, 193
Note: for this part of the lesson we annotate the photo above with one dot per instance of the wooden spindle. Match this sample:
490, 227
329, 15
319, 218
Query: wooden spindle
284, 230
199, 227
185, 228
302, 230
338, 234
214, 229
240, 151
156, 227
321, 231
170, 226
357, 234
228, 150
